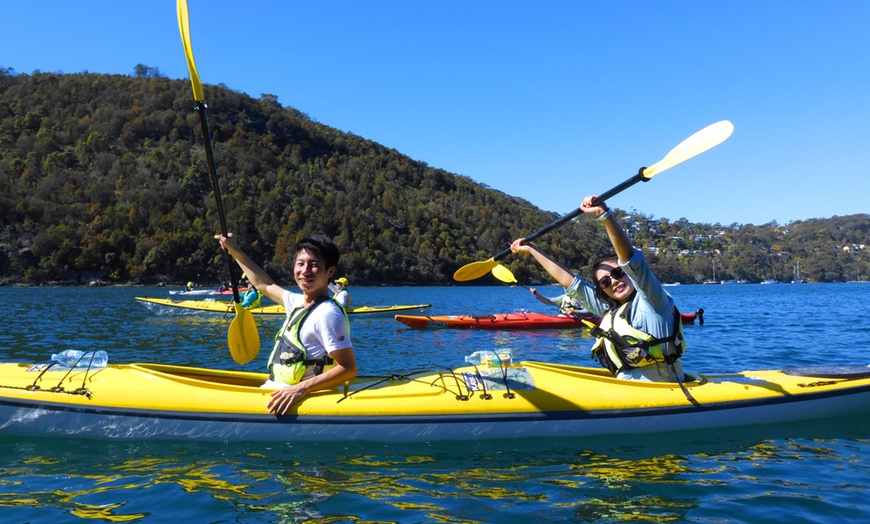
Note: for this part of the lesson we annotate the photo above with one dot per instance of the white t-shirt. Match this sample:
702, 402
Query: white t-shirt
324, 331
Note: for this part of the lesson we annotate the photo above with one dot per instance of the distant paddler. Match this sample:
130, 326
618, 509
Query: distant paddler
568, 306
340, 293
252, 297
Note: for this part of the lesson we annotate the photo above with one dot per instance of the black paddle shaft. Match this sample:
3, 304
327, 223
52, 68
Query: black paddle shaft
209, 156
577, 212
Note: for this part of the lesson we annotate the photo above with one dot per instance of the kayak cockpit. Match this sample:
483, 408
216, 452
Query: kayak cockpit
200, 375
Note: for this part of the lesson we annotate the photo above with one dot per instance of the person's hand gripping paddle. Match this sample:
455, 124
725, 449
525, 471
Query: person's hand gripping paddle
705, 139
243, 337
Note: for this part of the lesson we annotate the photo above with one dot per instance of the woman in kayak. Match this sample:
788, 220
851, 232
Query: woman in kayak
640, 335
313, 350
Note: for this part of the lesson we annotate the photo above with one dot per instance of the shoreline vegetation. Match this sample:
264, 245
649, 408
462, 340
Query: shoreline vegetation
103, 178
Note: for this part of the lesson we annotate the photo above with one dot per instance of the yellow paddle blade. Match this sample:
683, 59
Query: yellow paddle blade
184, 28
707, 138
243, 337
474, 270
504, 274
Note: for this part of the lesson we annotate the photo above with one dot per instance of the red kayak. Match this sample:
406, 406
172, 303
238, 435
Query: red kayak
498, 321
521, 320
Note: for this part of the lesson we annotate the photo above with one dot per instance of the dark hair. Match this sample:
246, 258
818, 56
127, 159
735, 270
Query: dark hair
599, 292
320, 246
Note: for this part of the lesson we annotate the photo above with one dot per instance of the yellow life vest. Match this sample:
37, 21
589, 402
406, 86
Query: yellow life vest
289, 359
620, 345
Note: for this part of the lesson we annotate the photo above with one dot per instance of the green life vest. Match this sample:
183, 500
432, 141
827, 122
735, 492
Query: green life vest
620, 345
289, 359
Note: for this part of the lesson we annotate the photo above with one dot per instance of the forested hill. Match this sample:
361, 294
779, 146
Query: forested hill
104, 177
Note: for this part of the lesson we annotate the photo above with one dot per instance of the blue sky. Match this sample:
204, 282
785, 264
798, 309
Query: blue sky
544, 100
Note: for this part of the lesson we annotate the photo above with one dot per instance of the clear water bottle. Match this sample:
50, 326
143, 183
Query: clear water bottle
480, 358
500, 358
485, 358
497, 359
81, 359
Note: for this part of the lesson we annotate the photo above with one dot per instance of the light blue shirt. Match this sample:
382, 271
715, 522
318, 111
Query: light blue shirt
652, 311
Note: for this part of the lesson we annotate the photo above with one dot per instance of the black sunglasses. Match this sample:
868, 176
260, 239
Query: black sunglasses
616, 273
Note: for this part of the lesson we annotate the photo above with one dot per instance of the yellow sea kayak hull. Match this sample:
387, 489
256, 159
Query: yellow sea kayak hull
526, 400
163, 306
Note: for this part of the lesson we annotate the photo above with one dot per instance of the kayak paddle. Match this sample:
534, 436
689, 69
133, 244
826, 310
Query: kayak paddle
705, 139
243, 337
504, 274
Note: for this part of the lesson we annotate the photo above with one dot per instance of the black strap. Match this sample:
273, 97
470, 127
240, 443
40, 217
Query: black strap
688, 395
324, 361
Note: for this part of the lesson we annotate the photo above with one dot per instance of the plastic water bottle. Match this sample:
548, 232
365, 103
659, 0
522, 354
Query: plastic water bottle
490, 359
499, 359
80, 359
480, 358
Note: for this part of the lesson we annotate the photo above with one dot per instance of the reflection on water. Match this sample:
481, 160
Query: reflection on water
665, 478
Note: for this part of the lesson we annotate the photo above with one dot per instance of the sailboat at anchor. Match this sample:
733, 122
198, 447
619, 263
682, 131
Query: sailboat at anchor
796, 279
713, 281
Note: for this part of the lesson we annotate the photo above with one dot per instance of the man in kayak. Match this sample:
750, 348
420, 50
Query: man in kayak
641, 333
313, 350
340, 293
568, 306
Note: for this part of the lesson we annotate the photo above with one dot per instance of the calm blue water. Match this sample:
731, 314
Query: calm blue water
813, 472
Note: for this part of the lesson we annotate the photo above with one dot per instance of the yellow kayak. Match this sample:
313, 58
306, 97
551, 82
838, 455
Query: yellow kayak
163, 306
521, 400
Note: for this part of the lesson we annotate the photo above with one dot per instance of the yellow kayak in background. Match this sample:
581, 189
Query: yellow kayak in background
163, 306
